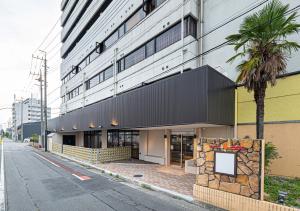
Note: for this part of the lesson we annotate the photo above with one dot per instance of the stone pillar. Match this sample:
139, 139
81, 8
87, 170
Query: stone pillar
104, 139
196, 141
167, 139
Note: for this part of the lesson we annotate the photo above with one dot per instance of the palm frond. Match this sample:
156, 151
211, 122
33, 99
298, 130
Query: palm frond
263, 39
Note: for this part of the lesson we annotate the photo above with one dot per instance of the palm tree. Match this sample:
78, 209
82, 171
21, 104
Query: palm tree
262, 42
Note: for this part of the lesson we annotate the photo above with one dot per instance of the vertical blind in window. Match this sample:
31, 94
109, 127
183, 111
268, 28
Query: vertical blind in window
135, 57
169, 37
137, 17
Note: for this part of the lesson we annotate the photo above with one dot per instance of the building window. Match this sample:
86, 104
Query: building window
151, 5
135, 57
83, 64
162, 41
150, 48
121, 66
108, 73
121, 30
100, 77
135, 19
92, 139
190, 27
94, 55
121, 138
112, 139
94, 81
75, 92
111, 40
169, 37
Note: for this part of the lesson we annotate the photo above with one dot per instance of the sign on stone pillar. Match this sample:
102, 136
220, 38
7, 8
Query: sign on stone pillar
231, 165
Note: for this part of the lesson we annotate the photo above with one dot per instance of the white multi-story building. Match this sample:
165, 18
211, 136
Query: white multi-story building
26, 111
130, 68
116, 46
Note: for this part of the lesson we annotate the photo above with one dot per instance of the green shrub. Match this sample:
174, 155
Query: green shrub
271, 153
148, 187
34, 138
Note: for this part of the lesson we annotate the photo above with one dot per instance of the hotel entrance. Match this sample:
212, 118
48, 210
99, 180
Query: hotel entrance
181, 149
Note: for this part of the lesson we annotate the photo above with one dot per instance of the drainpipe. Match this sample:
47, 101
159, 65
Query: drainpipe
182, 35
201, 17
115, 71
83, 89
235, 113
66, 100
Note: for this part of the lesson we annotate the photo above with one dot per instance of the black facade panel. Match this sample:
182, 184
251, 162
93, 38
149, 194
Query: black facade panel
31, 128
221, 98
196, 96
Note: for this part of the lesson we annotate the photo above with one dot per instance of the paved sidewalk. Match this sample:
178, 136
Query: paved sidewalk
171, 178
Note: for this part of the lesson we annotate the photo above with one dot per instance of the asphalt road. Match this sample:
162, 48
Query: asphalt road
42, 181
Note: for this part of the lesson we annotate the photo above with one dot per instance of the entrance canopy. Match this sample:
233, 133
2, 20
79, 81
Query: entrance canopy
197, 96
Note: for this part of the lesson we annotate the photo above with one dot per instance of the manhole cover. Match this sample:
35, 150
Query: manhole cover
137, 175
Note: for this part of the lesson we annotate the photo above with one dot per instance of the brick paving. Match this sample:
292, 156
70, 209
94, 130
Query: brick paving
171, 178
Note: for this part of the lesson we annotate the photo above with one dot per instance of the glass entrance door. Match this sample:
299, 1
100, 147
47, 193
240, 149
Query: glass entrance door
176, 150
187, 147
181, 149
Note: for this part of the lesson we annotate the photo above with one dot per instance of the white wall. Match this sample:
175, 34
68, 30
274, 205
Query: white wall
152, 146
218, 12
57, 138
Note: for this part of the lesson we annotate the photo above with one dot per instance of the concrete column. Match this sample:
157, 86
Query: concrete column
167, 147
104, 139
198, 134
79, 139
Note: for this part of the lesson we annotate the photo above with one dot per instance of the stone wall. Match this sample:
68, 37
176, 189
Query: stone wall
248, 155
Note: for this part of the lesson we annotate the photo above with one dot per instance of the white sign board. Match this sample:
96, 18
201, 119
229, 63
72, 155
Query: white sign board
225, 163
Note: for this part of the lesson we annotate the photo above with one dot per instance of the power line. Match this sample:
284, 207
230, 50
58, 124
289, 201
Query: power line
52, 41
52, 49
49, 33
50, 93
54, 54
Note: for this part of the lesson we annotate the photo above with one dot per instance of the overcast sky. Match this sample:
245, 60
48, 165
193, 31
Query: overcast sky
23, 27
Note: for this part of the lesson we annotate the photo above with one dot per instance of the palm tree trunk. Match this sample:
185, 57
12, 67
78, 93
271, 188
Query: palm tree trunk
259, 96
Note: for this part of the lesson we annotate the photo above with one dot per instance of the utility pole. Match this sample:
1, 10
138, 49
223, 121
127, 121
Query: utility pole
22, 113
15, 120
41, 103
44, 110
42, 113
45, 102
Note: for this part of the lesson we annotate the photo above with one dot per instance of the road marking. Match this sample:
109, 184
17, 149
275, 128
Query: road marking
48, 160
82, 178
74, 173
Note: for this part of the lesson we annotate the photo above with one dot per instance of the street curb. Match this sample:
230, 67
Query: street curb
2, 179
139, 183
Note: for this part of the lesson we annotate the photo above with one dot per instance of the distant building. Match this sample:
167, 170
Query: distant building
29, 129
26, 111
